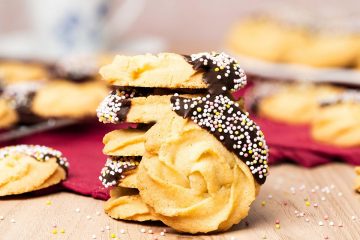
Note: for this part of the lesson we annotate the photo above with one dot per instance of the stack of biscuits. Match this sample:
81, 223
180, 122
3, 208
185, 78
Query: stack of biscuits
195, 161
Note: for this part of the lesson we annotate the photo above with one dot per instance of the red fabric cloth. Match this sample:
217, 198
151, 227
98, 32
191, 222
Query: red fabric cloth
82, 145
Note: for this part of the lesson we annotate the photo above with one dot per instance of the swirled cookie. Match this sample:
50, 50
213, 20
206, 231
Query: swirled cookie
21, 71
25, 168
325, 50
337, 120
59, 99
191, 181
294, 103
264, 39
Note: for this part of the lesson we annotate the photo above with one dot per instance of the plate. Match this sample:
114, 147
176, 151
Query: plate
290, 72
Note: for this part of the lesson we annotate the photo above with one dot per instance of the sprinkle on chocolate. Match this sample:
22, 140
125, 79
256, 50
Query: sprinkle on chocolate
39, 153
114, 108
116, 169
221, 72
218, 113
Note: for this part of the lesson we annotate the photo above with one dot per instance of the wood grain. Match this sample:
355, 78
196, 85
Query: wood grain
285, 192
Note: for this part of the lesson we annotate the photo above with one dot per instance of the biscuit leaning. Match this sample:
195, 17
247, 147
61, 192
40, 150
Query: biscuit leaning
26, 168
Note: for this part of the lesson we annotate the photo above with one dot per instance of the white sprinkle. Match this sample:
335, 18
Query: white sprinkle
321, 223
107, 227
143, 230
331, 223
122, 231
98, 213
77, 210
12, 220
88, 217
150, 232
93, 236
2, 218
162, 234
307, 220
340, 194
323, 198
353, 218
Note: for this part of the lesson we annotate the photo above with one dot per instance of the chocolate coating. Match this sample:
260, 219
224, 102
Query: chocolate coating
219, 114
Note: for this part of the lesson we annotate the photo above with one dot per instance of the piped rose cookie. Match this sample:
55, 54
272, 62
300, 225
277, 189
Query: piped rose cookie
202, 163
337, 121
26, 168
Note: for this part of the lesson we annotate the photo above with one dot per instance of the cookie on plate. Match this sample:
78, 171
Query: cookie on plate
26, 168
12, 71
337, 120
294, 103
264, 39
325, 50
64, 99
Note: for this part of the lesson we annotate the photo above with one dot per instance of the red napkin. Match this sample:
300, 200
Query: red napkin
82, 145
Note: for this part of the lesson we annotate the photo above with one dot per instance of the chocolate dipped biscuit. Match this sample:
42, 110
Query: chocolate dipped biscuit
25, 168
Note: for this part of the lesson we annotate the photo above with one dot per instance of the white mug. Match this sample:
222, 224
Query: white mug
60, 27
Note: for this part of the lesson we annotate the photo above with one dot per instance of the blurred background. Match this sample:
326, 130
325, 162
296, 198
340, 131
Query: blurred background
68, 41
139, 25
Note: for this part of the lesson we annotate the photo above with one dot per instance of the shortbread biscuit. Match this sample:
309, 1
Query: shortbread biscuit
126, 204
165, 70
18, 71
25, 168
8, 115
126, 106
264, 39
325, 50
294, 103
357, 179
20, 95
337, 120
193, 183
124, 142
61, 99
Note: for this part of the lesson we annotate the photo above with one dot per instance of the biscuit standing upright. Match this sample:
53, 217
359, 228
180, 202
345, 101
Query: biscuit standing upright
198, 160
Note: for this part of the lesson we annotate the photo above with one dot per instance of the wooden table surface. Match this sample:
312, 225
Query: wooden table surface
301, 199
